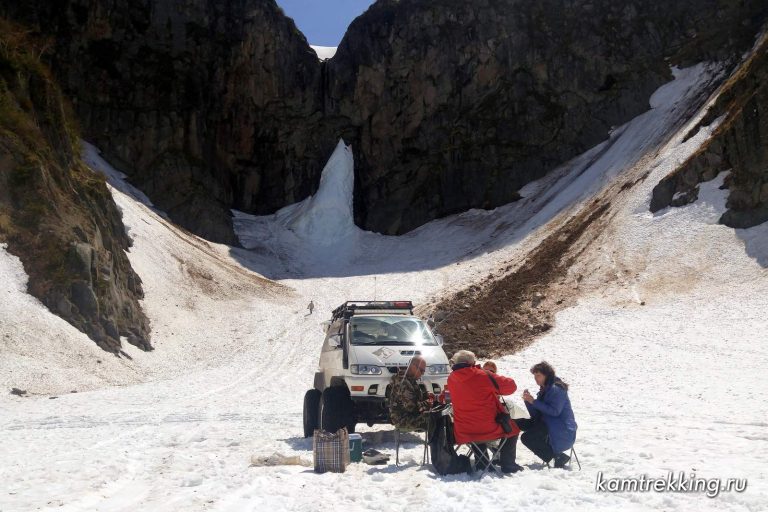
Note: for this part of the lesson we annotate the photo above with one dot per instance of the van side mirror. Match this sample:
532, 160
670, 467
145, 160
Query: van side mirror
335, 341
439, 338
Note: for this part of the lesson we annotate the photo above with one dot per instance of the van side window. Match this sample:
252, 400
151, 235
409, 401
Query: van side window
334, 329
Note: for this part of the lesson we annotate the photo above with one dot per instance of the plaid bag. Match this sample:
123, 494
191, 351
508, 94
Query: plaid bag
331, 450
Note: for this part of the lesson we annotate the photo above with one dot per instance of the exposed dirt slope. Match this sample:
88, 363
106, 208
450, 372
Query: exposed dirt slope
504, 314
511, 307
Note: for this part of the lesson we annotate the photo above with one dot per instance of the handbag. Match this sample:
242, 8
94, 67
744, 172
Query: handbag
331, 450
442, 450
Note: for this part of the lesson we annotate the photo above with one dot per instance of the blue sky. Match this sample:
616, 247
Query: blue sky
324, 21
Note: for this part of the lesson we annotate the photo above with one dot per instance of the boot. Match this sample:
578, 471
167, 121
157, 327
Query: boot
508, 455
561, 460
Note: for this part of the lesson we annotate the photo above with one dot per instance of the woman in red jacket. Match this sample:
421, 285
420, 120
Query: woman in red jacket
475, 401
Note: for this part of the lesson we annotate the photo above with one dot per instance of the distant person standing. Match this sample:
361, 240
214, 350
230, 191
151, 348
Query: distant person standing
311, 307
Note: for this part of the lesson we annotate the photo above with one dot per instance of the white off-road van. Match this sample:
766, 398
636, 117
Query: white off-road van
366, 343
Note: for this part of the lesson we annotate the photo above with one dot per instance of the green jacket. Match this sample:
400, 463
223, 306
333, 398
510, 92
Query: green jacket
407, 401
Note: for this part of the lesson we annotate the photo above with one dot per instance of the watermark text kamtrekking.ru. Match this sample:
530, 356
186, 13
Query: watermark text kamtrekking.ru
712, 487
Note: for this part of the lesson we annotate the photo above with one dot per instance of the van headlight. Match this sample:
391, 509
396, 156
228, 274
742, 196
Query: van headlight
365, 369
437, 369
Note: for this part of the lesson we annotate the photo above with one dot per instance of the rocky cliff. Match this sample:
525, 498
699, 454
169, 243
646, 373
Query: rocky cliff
459, 104
56, 215
448, 104
206, 105
739, 144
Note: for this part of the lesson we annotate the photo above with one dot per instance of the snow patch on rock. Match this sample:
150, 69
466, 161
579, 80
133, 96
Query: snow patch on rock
326, 217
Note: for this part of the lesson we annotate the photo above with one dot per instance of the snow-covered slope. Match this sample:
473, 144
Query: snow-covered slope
664, 350
193, 289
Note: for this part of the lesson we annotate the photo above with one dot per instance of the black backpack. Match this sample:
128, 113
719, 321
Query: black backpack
445, 460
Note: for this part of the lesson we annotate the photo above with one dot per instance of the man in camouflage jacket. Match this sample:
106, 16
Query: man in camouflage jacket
408, 400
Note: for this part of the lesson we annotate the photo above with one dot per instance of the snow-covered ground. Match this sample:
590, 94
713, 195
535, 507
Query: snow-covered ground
664, 350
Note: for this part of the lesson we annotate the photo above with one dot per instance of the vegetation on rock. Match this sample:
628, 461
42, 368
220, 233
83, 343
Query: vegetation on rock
56, 214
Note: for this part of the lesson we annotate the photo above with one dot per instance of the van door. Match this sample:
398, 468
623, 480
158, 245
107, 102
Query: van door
332, 353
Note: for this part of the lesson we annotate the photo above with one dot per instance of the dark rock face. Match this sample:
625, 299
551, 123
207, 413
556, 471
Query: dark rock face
204, 104
459, 104
448, 104
739, 144
56, 215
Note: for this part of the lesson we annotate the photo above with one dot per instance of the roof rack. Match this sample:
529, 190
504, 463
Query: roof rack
348, 309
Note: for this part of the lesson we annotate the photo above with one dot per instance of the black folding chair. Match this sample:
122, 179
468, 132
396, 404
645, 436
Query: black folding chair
482, 458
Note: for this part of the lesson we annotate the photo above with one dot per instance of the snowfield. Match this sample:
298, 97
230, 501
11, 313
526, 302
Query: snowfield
665, 349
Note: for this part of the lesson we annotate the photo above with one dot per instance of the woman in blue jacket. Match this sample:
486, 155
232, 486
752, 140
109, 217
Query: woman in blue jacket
551, 430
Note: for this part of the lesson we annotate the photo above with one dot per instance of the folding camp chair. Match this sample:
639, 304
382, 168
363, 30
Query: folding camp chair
424, 457
572, 456
482, 458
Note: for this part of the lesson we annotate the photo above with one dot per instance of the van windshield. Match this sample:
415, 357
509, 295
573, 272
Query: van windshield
390, 330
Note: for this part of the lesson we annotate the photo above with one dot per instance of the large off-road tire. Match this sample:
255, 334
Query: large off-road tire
336, 409
311, 405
